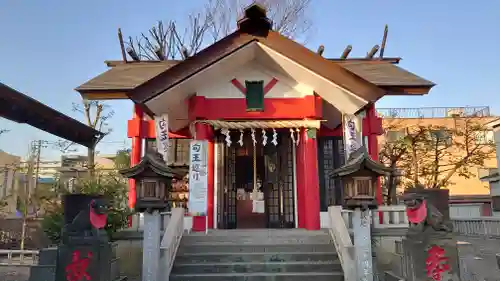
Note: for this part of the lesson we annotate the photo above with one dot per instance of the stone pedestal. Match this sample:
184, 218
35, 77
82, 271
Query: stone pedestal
89, 261
52, 263
151, 246
430, 256
362, 244
85, 253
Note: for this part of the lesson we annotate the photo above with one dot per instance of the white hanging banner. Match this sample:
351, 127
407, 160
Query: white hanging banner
161, 124
353, 139
198, 177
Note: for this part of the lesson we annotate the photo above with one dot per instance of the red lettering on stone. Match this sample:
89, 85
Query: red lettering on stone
77, 269
436, 263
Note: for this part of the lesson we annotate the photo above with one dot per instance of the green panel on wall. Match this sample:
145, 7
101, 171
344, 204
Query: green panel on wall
255, 95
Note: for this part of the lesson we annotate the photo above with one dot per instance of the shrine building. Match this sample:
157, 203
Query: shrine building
271, 111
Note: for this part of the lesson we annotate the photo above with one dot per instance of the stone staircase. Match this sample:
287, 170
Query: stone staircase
269, 254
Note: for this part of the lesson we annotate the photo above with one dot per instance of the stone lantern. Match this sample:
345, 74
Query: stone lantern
153, 178
359, 177
153, 182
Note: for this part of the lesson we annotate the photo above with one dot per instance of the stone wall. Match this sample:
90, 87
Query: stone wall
129, 250
10, 234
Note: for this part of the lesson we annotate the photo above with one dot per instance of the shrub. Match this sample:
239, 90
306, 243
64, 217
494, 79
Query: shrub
111, 186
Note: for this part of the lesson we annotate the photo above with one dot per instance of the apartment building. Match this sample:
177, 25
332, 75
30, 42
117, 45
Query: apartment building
8, 173
493, 177
13, 178
396, 120
73, 167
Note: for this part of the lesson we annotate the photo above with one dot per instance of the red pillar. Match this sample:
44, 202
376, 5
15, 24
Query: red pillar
135, 155
308, 181
374, 130
205, 132
301, 182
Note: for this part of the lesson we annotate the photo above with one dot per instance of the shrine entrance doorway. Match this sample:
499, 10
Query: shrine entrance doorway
255, 186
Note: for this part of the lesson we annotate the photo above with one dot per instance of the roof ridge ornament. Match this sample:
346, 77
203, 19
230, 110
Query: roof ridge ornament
255, 20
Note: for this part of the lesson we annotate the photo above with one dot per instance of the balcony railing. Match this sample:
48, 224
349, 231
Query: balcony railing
434, 112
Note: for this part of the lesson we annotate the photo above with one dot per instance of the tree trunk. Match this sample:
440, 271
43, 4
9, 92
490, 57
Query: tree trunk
91, 162
435, 183
389, 189
415, 167
392, 186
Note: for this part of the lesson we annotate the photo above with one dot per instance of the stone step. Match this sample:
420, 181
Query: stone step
254, 241
259, 232
316, 276
254, 267
254, 257
241, 248
296, 239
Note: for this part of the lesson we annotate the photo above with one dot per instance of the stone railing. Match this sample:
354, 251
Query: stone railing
388, 220
480, 226
171, 240
434, 112
138, 222
18, 257
385, 217
342, 241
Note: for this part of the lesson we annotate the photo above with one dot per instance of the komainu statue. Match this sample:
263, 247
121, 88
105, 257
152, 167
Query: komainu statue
89, 223
422, 215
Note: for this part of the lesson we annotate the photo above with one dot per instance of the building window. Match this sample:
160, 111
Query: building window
441, 136
255, 95
330, 157
394, 135
178, 153
484, 172
495, 203
484, 137
182, 151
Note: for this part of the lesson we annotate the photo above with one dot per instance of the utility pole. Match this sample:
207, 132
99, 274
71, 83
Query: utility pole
38, 153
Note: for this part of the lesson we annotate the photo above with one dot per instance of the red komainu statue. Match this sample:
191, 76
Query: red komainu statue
422, 214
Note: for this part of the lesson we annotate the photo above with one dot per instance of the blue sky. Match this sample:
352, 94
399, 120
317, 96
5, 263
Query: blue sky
50, 47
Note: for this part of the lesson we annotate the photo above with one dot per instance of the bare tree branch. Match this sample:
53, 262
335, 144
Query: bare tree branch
216, 19
96, 115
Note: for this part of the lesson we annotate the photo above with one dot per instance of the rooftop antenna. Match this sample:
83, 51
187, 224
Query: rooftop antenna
384, 40
372, 52
321, 49
122, 45
346, 52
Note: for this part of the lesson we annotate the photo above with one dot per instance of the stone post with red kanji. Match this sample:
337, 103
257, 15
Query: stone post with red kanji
85, 253
430, 248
